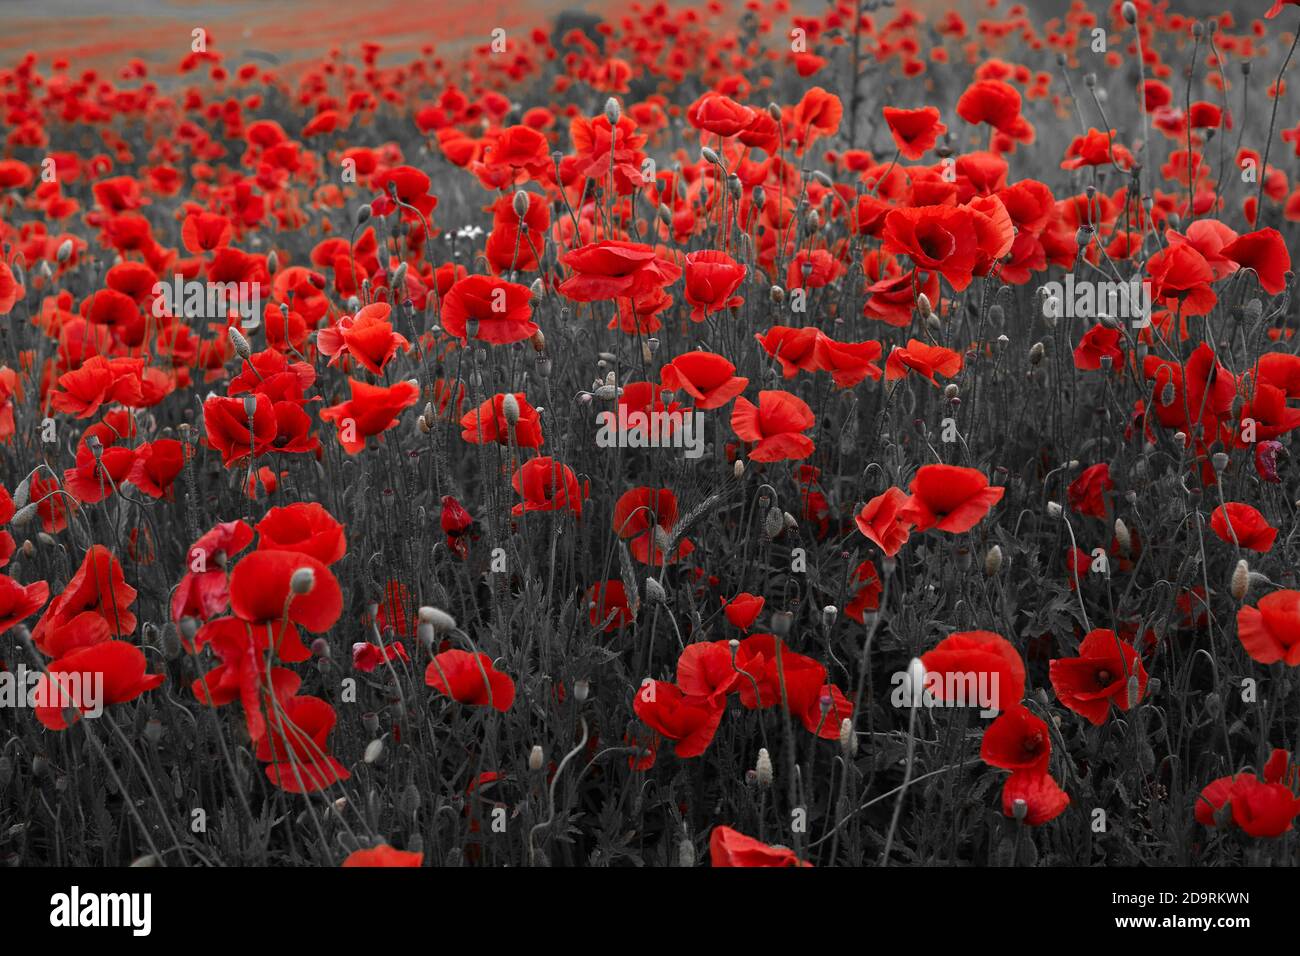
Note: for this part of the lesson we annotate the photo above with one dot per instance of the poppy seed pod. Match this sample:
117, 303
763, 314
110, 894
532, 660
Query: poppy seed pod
763, 768
685, 853
829, 613
302, 581
781, 623
1019, 809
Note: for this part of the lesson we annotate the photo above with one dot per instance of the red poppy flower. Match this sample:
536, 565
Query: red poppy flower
798, 683
1097, 343
982, 656
156, 466
384, 855
938, 238
608, 606
689, 721
924, 359
203, 592
1264, 251
230, 430
304, 527
488, 423
866, 597
949, 498
824, 715
1017, 740
1042, 796
848, 362
366, 656
1240, 524
19, 602
709, 379
205, 231
99, 675
881, 521
470, 679
368, 337
1098, 676
1087, 493
100, 587
372, 410
776, 425
915, 131
99, 381
728, 847
546, 485
743, 609
262, 591
719, 114
795, 349
488, 309
295, 747
993, 102
1270, 632
613, 269
647, 516
712, 277
706, 669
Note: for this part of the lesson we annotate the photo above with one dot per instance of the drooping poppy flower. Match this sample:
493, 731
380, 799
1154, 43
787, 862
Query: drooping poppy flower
1240, 524
100, 587
1017, 740
372, 410
882, 523
743, 609
366, 656
977, 664
709, 379
950, 498
608, 606
1270, 632
1099, 676
203, 592
305, 527
470, 679
728, 847
776, 425
295, 746
1087, 493
489, 309
19, 602
1042, 797
689, 721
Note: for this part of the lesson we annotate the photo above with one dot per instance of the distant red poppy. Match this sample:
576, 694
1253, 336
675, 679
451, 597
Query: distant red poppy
1240, 524
1098, 676
915, 131
1087, 493
295, 748
712, 277
608, 606
950, 498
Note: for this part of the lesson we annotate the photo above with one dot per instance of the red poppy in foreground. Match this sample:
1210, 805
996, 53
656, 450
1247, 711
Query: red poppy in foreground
949, 498
975, 662
1041, 797
709, 379
915, 131
271, 586
1017, 740
470, 679
488, 309
305, 527
728, 847
1240, 524
384, 855
776, 425
1099, 676
1270, 632
295, 747
99, 675
613, 269
99, 587
687, 719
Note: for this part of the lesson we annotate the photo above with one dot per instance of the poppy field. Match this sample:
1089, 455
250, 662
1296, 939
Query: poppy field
734, 435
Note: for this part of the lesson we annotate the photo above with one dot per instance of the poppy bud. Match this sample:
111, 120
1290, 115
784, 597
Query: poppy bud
153, 730
710, 156
1133, 691
1241, 580
993, 561
829, 613
776, 294
1053, 509
738, 469
320, 648
581, 689
370, 721
440, 620
536, 759
781, 622
848, 738
654, 592
606, 392
685, 853
763, 768
23, 515
520, 203
1019, 809
1129, 12
303, 580
65, 251
951, 391
363, 214
1122, 536
240, 344
374, 750
250, 407
272, 262
613, 112
915, 681
774, 523
1036, 353
510, 409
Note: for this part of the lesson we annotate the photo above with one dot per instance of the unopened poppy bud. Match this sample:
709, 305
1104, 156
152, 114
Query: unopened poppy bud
848, 738
303, 580
22, 493
153, 730
374, 750
606, 392
763, 768
777, 294
1053, 509
781, 622
520, 203
581, 690
1019, 809
536, 759
1036, 353
1134, 691
240, 344
1123, 537
320, 648
738, 469
510, 409
613, 112
951, 391
774, 523
1129, 12
829, 614
363, 214
272, 262
654, 592
1241, 580
23, 515
685, 853
65, 251
440, 620
993, 561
